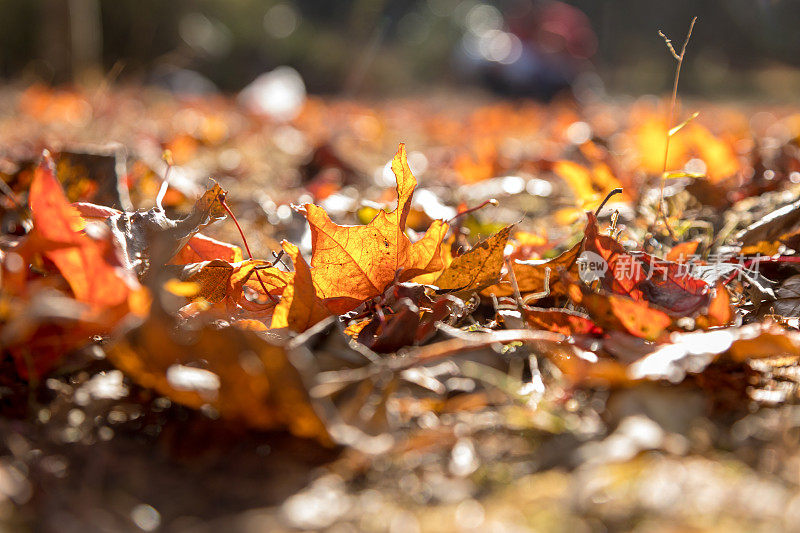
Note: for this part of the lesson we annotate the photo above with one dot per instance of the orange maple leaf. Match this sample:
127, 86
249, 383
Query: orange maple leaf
103, 291
351, 264
202, 248
300, 307
58, 234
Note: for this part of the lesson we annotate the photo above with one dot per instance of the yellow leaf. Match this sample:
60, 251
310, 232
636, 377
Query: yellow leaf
300, 307
577, 177
477, 268
588, 186
351, 264
218, 279
681, 174
680, 126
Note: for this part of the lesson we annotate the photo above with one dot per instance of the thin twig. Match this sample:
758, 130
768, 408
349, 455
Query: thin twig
668, 42
541, 294
6, 190
491, 201
513, 277
162, 191
279, 259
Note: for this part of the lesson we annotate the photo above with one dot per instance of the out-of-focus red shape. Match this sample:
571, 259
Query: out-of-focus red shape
680, 253
81, 260
720, 312
103, 291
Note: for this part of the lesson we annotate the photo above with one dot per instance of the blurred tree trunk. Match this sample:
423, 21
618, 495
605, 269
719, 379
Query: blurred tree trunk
54, 39
86, 38
70, 40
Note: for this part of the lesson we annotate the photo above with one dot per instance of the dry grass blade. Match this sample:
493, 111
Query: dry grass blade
673, 103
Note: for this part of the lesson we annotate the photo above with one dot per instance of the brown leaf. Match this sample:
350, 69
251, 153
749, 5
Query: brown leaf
396, 331
787, 302
770, 228
531, 275
219, 280
477, 268
150, 237
233, 371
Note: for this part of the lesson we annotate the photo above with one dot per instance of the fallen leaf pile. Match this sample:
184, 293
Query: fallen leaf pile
365, 306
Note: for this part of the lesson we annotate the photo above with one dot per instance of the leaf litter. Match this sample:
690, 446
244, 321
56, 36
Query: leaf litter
489, 341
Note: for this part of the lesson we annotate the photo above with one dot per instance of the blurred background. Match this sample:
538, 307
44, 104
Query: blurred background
741, 48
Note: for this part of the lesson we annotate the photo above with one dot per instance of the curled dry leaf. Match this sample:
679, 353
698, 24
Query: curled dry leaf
152, 238
777, 224
394, 332
198, 248
351, 264
623, 272
406, 314
787, 299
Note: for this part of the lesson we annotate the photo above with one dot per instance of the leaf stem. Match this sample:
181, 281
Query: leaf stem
8, 192
246, 246
491, 201
618, 190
